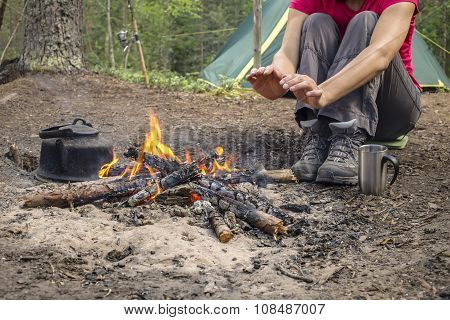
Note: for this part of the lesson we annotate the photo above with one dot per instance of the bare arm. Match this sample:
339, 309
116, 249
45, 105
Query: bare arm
266, 80
387, 39
286, 59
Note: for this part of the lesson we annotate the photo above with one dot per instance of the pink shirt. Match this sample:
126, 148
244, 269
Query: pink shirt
342, 15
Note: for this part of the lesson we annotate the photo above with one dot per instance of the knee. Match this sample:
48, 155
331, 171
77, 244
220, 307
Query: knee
319, 21
364, 20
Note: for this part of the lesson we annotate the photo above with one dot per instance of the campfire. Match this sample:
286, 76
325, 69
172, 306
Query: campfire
207, 182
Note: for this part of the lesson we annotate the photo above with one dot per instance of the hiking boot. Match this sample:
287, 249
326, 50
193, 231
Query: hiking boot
341, 165
314, 152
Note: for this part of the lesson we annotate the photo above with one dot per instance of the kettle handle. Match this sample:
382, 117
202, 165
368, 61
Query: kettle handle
56, 132
84, 122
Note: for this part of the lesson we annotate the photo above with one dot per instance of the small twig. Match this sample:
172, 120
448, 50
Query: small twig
70, 276
109, 292
53, 271
293, 276
325, 190
69, 201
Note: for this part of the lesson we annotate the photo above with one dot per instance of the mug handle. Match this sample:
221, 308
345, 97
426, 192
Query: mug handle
395, 163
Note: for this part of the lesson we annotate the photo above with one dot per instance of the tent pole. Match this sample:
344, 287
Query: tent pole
257, 18
134, 26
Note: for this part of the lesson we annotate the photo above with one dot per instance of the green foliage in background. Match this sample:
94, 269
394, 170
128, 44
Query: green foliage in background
174, 81
172, 32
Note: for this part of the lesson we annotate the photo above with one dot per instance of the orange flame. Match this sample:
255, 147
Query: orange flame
104, 170
218, 167
125, 172
150, 170
187, 156
157, 193
219, 151
136, 168
153, 142
154, 145
195, 197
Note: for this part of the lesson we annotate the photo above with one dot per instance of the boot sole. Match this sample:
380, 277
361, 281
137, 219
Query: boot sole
330, 178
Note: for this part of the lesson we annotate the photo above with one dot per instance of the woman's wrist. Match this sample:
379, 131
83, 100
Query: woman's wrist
325, 99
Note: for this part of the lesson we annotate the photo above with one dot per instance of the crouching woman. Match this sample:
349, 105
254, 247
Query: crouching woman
349, 63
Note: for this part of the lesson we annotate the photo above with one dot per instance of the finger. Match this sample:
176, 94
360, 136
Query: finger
315, 93
251, 78
260, 71
305, 86
295, 81
288, 85
269, 70
277, 73
253, 71
287, 79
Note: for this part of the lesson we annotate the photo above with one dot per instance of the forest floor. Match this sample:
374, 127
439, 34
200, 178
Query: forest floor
350, 246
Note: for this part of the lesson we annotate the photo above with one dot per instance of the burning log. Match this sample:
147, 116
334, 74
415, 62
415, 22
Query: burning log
185, 174
164, 166
216, 220
83, 193
180, 195
257, 219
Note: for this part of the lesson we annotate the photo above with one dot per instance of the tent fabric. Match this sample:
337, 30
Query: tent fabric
237, 53
235, 59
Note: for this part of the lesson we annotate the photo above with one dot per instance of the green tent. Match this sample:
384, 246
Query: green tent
235, 59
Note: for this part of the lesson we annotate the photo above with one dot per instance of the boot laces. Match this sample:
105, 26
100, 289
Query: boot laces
313, 146
342, 147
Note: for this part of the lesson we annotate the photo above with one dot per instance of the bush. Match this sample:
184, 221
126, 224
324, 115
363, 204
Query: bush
170, 80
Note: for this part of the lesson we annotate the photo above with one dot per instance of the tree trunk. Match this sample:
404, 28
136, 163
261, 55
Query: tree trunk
52, 40
112, 59
2, 11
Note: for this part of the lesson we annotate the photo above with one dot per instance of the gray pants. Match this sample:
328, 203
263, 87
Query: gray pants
386, 107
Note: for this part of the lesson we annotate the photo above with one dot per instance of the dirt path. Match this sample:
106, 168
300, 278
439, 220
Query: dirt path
348, 245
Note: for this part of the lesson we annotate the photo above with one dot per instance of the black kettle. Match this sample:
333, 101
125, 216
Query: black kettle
73, 152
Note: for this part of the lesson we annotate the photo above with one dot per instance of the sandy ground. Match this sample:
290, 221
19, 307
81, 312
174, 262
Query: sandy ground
349, 245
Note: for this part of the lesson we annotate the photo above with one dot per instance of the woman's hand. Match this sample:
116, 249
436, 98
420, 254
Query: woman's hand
266, 81
305, 89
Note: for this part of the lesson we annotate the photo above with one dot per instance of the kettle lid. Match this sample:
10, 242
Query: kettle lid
79, 128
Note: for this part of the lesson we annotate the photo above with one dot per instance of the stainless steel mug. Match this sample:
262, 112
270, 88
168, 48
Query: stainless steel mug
373, 161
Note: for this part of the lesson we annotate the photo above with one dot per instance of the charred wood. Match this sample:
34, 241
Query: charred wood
257, 202
180, 195
215, 219
223, 233
83, 193
183, 175
257, 219
164, 166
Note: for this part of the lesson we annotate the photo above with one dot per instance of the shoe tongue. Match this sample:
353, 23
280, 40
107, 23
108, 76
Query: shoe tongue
348, 127
309, 123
